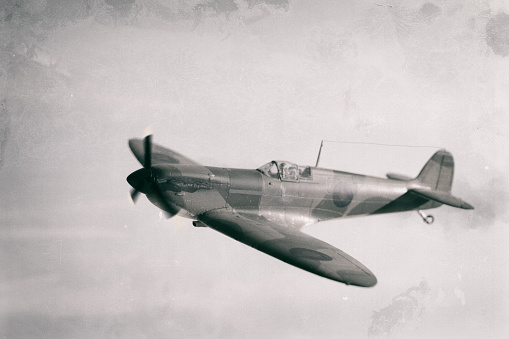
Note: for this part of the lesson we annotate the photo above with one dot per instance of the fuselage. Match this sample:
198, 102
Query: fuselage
322, 194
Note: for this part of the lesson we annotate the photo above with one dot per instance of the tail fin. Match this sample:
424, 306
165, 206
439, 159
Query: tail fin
438, 172
436, 177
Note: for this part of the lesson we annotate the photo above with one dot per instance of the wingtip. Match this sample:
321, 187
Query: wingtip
361, 279
368, 281
372, 282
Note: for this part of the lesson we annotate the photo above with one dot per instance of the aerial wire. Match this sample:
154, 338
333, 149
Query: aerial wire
378, 144
368, 143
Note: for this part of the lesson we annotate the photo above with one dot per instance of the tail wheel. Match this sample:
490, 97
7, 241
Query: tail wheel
427, 218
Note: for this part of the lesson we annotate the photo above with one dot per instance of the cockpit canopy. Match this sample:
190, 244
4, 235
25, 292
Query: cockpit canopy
285, 171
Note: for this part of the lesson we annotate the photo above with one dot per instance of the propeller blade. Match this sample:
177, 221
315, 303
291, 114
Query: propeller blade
159, 200
147, 162
168, 215
168, 208
135, 194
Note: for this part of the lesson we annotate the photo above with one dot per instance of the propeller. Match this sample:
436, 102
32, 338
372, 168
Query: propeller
144, 181
141, 179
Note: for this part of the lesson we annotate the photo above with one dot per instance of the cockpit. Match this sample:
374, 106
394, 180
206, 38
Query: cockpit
285, 171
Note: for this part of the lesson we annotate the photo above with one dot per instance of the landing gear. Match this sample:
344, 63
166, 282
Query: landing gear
428, 219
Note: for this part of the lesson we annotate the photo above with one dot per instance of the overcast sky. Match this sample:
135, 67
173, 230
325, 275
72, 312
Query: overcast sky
238, 85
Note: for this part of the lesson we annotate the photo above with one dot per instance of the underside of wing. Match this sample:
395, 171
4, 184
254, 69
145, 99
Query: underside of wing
291, 246
160, 155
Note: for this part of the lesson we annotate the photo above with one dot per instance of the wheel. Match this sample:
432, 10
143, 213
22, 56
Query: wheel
429, 219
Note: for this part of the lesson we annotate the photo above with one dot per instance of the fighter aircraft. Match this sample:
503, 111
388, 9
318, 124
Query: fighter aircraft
266, 208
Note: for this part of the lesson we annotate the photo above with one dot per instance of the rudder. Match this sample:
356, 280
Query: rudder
438, 172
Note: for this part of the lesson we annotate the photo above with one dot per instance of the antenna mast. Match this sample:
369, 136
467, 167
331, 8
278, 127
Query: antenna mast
319, 153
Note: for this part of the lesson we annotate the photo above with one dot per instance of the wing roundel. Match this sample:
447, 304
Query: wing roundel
291, 246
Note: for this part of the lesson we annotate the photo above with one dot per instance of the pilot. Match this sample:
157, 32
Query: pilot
283, 170
292, 173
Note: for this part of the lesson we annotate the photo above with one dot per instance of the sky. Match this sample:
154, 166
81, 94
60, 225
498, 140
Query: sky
237, 84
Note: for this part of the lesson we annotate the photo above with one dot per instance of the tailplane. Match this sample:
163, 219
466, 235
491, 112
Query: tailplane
442, 197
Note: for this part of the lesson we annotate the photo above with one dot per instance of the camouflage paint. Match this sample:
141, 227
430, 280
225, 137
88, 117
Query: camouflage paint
266, 210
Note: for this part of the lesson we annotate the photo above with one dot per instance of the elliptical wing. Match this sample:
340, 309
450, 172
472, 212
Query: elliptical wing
291, 246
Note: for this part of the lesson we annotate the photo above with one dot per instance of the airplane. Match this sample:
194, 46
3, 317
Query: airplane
267, 207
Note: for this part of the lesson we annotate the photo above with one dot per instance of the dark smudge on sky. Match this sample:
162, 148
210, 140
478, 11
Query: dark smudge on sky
405, 308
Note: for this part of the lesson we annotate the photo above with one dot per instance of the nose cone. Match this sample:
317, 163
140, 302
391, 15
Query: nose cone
140, 180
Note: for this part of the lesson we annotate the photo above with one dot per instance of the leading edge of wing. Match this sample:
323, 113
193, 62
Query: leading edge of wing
291, 246
159, 154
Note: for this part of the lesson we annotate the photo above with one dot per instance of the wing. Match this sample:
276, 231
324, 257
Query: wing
160, 155
291, 246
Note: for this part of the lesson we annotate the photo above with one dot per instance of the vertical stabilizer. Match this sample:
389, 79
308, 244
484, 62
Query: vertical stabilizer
438, 172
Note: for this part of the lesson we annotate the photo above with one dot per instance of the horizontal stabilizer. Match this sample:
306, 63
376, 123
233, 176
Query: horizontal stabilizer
399, 177
442, 197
